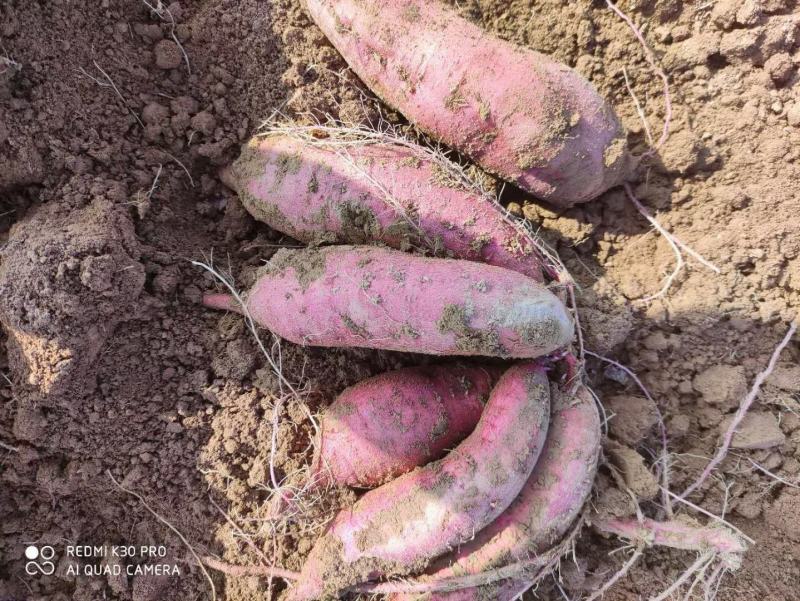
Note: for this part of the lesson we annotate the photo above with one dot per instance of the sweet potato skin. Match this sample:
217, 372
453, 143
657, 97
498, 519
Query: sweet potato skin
544, 510
398, 527
363, 296
518, 113
389, 424
360, 193
675, 534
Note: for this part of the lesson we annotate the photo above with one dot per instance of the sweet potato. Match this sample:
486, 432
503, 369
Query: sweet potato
387, 425
398, 527
678, 534
373, 297
336, 190
529, 119
545, 509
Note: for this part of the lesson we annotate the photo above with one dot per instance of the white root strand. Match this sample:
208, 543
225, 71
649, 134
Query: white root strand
741, 412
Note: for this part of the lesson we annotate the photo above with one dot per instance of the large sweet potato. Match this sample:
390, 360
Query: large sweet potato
518, 113
398, 527
544, 511
335, 190
373, 297
387, 425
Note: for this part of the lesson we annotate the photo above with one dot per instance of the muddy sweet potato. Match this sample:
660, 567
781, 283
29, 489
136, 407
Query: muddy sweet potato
389, 424
337, 190
363, 296
519, 114
398, 527
677, 534
542, 513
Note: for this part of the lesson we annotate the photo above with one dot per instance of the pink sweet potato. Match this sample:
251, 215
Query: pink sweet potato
544, 511
518, 113
400, 526
356, 191
387, 425
677, 534
373, 297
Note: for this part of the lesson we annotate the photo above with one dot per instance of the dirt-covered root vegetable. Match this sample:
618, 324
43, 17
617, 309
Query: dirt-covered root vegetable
400, 526
374, 297
517, 113
340, 191
544, 510
677, 534
389, 424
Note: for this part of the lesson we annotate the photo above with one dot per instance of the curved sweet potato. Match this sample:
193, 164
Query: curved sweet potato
331, 190
387, 425
518, 113
373, 297
398, 527
545, 509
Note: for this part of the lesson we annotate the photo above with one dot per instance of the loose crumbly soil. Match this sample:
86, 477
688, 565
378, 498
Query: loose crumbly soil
113, 366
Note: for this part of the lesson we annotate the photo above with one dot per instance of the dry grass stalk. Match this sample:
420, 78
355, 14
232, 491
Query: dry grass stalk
741, 412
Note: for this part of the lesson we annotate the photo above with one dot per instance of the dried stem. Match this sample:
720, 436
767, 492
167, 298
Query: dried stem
664, 459
712, 584
171, 527
699, 566
238, 529
775, 477
626, 567
239, 571
639, 109
181, 165
744, 407
8, 447
9, 64
110, 83
274, 364
578, 329
160, 10
674, 243
659, 71
152, 189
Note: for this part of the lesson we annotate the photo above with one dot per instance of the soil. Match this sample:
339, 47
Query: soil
114, 122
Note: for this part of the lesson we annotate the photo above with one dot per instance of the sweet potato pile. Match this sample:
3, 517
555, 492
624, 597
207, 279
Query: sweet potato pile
469, 466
